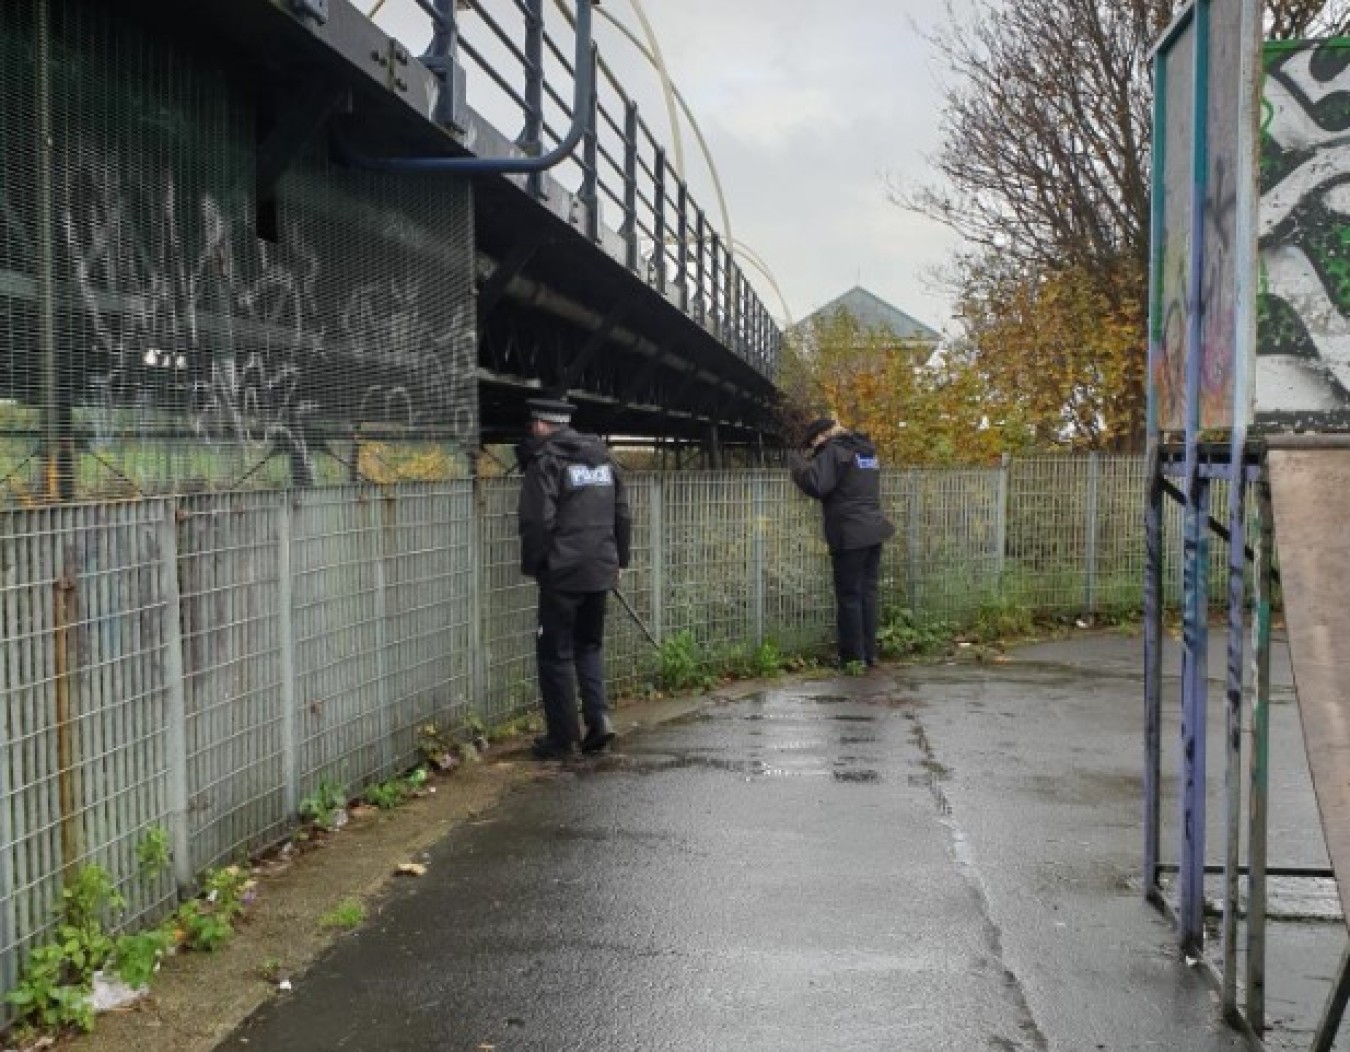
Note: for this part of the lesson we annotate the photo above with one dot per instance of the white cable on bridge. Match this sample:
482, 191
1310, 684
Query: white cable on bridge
674, 97
754, 260
667, 85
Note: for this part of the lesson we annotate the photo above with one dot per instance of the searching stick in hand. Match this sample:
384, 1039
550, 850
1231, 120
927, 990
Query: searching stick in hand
637, 620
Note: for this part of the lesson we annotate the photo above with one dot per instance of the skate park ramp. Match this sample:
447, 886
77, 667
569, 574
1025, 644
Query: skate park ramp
1310, 491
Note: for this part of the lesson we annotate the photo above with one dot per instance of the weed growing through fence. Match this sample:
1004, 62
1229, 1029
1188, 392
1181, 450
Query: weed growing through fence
747, 662
153, 853
206, 923
386, 795
54, 991
322, 807
396, 791
903, 634
137, 957
682, 664
1000, 618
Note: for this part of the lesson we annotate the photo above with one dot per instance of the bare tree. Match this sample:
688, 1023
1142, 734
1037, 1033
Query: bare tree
1291, 19
1045, 172
1048, 119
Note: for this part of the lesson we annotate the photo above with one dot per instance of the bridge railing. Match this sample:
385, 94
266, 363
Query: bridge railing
519, 57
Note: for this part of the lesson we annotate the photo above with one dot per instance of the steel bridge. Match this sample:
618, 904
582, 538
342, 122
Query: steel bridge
271, 231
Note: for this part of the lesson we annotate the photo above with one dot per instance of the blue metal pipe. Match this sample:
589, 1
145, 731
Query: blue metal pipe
583, 94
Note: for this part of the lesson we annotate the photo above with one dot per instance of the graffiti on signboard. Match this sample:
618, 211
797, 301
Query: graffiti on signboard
1303, 356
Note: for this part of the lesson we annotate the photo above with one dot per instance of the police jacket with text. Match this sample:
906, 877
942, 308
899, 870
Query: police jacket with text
574, 521
844, 474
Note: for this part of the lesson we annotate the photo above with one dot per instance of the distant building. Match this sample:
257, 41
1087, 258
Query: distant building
871, 314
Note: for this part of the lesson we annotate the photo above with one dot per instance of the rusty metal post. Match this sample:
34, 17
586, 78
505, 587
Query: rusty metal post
65, 614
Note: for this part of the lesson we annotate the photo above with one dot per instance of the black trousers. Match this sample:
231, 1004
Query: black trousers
856, 574
570, 637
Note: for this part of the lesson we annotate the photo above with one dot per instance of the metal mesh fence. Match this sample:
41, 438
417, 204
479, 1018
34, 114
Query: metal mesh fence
945, 560
629, 654
709, 552
230, 569
169, 325
86, 748
798, 610
508, 606
200, 664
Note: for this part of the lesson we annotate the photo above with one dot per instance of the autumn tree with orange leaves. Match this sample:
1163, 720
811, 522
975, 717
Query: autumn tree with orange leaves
896, 391
1056, 354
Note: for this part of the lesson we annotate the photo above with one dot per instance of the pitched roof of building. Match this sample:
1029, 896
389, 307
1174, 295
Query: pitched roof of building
872, 312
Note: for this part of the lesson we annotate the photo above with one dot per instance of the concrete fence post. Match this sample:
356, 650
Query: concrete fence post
175, 699
9, 677
1094, 483
477, 635
290, 753
657, 515
912, 542
1001, 526
381, 512
757, 567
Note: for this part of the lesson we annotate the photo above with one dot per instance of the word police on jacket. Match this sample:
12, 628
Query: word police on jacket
581, 475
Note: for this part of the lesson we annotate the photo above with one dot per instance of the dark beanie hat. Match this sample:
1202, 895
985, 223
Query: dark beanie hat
817, 427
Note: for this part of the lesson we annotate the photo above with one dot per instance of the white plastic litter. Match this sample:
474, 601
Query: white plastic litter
111, 993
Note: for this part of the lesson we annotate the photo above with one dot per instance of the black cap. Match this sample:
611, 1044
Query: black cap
817, 427
551, 410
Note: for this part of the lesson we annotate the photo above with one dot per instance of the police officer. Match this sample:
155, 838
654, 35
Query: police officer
841, 469
575, 535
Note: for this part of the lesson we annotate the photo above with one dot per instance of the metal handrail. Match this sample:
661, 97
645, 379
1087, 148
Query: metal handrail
584, 90
669, 240
497, 78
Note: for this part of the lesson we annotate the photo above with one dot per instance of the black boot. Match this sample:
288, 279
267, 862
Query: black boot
545, 748
598, 736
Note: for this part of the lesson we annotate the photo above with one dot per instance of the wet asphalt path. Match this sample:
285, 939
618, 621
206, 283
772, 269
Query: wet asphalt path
901, 862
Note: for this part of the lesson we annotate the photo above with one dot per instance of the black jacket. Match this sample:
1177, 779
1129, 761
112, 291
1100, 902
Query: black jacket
844, 474
575, 525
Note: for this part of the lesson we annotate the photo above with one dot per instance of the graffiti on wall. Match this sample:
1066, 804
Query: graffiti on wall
184, 313
1303, 350
184, 310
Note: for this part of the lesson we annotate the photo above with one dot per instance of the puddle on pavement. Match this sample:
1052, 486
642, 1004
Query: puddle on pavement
783, 743
750, 768
799, 717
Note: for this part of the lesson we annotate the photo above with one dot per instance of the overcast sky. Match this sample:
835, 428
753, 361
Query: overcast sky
808, 109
